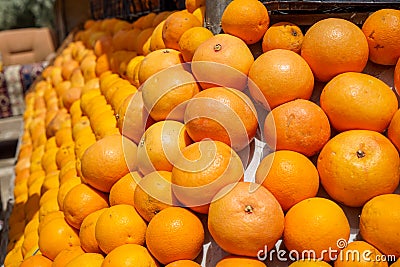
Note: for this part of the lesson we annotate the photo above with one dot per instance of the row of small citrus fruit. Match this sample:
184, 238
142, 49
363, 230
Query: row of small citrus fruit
76, 177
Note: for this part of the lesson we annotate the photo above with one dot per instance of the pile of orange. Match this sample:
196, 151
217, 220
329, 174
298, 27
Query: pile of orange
137, 138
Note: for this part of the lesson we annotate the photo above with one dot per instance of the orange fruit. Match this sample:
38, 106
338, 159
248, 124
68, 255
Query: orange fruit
131, 67
161, 145
129, 255
326, 40
180, 225
279, 76
157, 61
119, 225
55, 236
229, 261
175, 86
107, 160
283, 35
123, 190
242, 206
66, 255
81, 201
222, 114
298, 125
70, 96
49, 217
156, 40
290, 176
382, 29
192, 5
175, 25
153, 194
393, 131
315, 224
396, 75
87, 260
203, 169
246, 19
183, 263
133, 118
379, 222
222, 68
36, 261
348, 257
200, 13
191, 39
160, 17
309, 263
356, 90
142, 38
87, 232
347, 157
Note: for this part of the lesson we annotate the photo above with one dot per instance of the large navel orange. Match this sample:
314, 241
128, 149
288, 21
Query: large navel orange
87, 232
299, 125
191, 39
246, 19
107, 160
153, 194
355, 166
161, 145
129, 255
157, 61
242, 206
283, 35
231, 260
36, 261
87, 260
359, 112
290, 176
315, 224
333, 46
175, 25
382, 29
379, 222
123, 190
223, 66
222, 114
279, 76
202, 170
133, 118
81, 201
55, 236
119, 225
66, 255
174, 88
176, 224
183, 263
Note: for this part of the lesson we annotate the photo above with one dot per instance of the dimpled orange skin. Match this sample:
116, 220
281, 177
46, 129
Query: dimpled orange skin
179, 225
382, 29
333, 46
315, 224
279, 76
356, 90
358, 165
300, 125
393, 132
231, 260
244, 218
379, 223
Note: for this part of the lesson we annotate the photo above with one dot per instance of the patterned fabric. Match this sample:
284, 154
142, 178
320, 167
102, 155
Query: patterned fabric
15, 81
